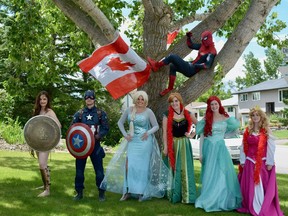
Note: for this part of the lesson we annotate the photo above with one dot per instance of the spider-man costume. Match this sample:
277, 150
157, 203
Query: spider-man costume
204, 59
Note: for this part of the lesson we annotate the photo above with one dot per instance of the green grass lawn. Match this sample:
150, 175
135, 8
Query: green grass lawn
281, 134
19, 175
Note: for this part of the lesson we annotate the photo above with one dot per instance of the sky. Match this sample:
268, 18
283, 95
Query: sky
253, 47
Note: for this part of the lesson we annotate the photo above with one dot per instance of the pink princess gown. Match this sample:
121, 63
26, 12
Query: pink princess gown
261, 199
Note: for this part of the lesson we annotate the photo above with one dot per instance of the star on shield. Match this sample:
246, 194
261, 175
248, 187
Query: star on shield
77, 141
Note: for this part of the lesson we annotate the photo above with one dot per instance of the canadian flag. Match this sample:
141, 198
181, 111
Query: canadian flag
171, 36
117, 67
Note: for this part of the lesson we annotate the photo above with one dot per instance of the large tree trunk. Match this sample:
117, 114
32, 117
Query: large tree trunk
158, 20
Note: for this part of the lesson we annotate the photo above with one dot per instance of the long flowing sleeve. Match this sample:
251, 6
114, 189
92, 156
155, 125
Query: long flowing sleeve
201, 143
242, 155
233, 125
122, 121
153, 121
200, 126
200, 130
270, 151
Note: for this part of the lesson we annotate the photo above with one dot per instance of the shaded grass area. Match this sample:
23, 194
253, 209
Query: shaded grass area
20, 175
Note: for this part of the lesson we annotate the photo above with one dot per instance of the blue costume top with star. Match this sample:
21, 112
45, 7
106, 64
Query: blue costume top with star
94, 117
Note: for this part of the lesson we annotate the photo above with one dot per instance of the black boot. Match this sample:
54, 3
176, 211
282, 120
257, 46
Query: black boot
101, 195
79, 195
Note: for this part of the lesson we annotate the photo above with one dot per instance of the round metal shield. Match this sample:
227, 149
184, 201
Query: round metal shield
42, 133
80, 141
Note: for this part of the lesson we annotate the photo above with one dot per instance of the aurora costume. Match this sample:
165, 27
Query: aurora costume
258, 185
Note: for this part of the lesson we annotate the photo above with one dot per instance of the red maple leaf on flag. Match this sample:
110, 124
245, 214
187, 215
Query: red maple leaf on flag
117, 64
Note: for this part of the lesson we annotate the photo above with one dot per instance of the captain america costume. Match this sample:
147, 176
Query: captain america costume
96, 118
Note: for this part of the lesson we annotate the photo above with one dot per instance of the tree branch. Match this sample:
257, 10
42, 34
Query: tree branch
187, 20
245, 32
232, 50
84, 22
213, 22
96, 14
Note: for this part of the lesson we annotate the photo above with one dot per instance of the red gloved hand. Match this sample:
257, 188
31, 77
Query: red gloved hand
189, 34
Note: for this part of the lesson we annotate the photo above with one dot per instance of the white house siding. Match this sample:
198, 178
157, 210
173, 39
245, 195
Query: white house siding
271, 96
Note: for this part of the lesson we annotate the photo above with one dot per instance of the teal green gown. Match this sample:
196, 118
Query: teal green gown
220, 190
183, 187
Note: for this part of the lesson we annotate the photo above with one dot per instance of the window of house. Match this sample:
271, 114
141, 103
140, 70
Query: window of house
256, 96
243, 97
283, 94
230, 109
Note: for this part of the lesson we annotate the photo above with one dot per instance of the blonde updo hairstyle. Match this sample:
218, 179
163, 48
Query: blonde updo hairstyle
135, 97
137, 94
264, 121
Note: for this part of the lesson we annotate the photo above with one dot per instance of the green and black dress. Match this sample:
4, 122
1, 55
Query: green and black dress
183, 187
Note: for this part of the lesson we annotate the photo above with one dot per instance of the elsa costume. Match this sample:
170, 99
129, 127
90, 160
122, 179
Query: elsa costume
220, 189
137, 167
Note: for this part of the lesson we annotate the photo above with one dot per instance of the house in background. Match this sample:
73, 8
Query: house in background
230, 105
198, 112
268, 95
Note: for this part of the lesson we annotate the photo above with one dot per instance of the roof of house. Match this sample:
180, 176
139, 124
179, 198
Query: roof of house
191, 107
228, 102
266, 85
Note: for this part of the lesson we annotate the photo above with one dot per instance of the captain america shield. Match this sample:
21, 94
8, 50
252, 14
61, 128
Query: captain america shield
80, 141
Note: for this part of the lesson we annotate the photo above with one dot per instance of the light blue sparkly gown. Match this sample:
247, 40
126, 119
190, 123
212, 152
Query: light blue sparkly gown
220, 190
146, 174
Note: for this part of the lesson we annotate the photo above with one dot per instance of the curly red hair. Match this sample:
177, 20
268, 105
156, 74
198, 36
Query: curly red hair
209, 115
171, 153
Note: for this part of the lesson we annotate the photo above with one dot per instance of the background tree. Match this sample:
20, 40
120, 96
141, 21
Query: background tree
284, 118
40, 50
254, 73
6, 106
274, 59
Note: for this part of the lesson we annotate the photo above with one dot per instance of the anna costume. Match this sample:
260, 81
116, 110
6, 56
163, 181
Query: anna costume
180, 158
